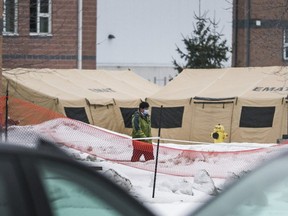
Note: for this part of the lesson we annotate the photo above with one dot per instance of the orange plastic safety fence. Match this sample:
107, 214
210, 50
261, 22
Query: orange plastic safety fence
173, 161
25, 113
119, 148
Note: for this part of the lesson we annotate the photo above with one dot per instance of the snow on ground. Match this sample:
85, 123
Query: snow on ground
173, 195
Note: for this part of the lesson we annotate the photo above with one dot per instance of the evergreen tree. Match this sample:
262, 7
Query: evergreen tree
205, 49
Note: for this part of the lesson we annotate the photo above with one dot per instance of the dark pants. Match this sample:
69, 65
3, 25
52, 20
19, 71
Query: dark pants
142, 148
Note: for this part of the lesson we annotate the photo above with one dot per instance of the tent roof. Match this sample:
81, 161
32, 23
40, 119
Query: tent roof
253, 82
97, 86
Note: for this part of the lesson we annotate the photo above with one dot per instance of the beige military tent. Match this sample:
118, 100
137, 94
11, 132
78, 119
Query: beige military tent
251, 103
100, 97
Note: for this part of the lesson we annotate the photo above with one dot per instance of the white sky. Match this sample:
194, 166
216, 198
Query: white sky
147, 32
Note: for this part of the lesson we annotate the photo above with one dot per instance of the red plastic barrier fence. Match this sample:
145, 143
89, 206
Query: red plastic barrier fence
119, 148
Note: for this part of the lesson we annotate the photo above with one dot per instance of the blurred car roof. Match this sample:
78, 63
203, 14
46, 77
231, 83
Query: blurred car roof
263, 191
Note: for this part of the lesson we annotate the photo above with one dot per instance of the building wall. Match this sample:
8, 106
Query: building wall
89, 34
58, 50
258, 32
1, 39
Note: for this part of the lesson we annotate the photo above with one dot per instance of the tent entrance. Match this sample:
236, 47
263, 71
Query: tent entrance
207, 114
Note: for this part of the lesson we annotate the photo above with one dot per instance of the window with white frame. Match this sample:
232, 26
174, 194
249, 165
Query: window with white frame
40, 17
285, 44
10, 17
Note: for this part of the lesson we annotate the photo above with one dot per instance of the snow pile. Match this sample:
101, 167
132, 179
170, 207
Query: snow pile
123, 182
180, 186
203, 182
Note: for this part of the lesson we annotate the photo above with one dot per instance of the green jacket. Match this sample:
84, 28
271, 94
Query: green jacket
141, 126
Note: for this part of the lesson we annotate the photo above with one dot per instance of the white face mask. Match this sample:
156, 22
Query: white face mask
146, 112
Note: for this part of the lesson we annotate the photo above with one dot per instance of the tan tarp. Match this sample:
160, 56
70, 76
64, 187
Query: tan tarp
212, 96
102, 93
208, 97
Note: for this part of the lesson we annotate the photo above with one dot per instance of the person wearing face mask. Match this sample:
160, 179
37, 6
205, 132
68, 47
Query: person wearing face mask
141, 125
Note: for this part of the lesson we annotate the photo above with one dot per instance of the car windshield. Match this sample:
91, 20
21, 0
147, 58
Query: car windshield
70, 192
263, 192
272, 200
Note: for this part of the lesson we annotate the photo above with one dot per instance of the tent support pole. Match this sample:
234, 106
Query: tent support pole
157, 152
231, 126
6, 113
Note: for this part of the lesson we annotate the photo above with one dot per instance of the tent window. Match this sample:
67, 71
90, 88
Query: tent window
171, 117
77, 113
257, 117
285, 44
127, 116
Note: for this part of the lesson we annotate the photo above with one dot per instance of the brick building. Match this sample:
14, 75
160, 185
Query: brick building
260, 33
49, 34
